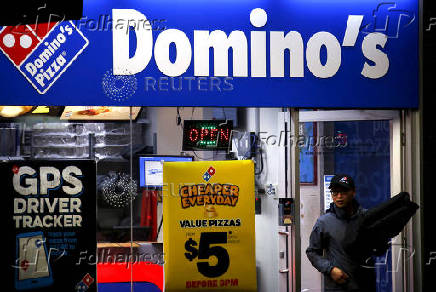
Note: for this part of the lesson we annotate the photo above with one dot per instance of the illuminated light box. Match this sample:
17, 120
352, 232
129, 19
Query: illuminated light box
7, 112
206, 134
94, 113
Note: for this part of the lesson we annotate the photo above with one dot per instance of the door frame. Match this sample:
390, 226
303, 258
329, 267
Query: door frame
402, 275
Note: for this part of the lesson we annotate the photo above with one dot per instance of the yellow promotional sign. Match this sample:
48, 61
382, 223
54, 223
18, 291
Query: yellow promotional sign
209, 240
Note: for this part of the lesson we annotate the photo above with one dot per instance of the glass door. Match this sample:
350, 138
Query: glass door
364, 145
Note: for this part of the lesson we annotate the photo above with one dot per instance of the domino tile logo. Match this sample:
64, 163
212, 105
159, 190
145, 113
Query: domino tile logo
42, 52
208, 174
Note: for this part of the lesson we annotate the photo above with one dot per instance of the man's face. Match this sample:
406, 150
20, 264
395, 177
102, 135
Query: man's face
342, 197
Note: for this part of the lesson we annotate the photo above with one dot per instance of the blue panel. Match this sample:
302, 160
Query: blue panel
307, 157
367, 159
88, 80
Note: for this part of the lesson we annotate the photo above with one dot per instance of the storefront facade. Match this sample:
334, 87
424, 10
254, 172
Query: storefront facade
307, 88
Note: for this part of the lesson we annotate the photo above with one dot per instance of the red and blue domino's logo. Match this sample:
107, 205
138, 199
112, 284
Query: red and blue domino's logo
209, 173
42, 52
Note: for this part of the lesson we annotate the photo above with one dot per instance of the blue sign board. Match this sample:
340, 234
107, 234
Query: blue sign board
269, 53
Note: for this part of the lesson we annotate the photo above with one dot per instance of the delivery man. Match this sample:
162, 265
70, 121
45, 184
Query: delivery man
326, 246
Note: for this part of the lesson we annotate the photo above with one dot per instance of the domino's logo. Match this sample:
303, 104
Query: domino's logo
344, 180
42, 52
83, 285
208, 174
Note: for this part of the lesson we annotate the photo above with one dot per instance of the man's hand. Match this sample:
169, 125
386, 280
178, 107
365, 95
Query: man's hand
338, 275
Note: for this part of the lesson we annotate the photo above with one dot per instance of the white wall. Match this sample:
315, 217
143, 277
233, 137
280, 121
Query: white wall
267, 238
309, 213
310, 203
169, 135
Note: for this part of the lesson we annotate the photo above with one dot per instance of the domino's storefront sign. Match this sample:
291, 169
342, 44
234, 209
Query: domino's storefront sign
295, 53
198, 53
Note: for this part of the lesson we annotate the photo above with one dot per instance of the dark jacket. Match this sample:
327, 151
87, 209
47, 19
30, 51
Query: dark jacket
328, 235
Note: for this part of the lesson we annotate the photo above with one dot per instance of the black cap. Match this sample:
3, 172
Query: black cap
342, 180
